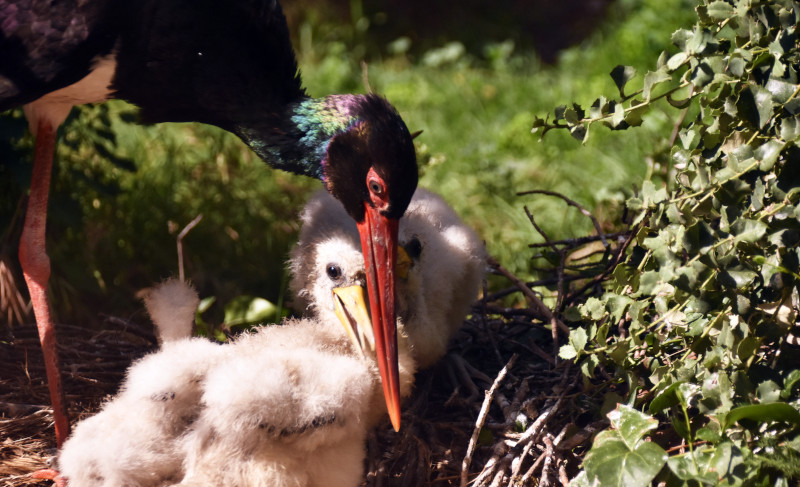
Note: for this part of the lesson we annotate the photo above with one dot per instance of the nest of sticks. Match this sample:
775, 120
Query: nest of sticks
500, 410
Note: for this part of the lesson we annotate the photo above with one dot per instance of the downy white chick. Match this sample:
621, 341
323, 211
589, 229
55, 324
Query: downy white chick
293, 405
285, 405
131, 441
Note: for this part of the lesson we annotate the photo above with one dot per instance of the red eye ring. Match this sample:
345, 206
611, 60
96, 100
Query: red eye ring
378, 194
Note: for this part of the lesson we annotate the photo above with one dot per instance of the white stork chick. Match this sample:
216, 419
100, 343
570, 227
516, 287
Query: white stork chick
286, 405
448, 263
292, 405
278, 413
131, 440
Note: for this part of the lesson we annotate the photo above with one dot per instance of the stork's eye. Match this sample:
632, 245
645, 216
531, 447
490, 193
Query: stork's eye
333, 271
413, 248
375, 187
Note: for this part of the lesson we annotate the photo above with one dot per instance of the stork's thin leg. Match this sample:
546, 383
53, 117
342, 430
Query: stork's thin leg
36, 268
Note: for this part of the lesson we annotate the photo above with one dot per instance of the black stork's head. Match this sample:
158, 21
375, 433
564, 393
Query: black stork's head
362, 151
371, 168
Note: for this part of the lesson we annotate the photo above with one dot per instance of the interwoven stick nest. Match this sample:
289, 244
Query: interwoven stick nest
438, 420
500, 410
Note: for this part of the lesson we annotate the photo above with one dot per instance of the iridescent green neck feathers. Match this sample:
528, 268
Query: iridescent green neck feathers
298, 141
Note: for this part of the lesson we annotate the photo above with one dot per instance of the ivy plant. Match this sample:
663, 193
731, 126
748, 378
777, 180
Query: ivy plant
698, 323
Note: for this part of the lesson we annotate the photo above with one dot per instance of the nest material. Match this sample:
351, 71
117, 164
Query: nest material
93, 363
500, 409
523, 418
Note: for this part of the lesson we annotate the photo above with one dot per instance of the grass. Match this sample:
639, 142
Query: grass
112, 230
477, 111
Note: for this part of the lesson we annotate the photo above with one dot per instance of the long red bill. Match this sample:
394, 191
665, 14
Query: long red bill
379, 246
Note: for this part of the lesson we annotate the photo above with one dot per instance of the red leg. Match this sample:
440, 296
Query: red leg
36, 268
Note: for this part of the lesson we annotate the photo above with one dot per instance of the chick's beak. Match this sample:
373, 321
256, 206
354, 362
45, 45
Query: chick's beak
350, 306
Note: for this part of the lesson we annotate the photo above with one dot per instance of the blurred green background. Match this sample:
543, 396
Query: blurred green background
471, 74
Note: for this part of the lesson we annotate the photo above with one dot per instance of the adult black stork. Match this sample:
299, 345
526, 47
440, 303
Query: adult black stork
228, 64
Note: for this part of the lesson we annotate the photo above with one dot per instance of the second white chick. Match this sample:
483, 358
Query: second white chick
292, 404
131, 441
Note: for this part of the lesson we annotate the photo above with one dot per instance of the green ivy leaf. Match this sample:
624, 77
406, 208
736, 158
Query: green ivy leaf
653, 79
611, 462
748, 231
677, 60
790, 129
763, 413
780, 90
243, 310
666, 399
567, 352
768, 153
755, 103
792, 379
578, 338
680, 37
693, 466
719, 10
631, 424
768, 392
205, 304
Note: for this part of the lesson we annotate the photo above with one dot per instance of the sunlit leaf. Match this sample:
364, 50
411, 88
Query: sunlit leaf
762, 413
611, 463
249, 309
719, 10
631, 424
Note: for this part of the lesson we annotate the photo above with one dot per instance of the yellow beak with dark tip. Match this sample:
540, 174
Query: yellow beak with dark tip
350, 306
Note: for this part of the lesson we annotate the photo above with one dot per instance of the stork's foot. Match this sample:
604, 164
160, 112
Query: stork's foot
50, 474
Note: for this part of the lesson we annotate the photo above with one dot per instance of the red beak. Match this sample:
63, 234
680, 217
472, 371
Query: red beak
379, 246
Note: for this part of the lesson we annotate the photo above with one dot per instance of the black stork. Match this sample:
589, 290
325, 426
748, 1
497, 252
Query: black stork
225, 63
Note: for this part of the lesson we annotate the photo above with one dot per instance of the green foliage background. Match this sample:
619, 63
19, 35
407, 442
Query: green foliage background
698, 323
692, 332
122, 191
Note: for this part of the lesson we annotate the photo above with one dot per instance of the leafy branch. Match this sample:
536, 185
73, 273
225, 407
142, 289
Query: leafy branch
706, 297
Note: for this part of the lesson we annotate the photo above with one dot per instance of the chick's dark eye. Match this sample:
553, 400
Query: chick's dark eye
334, 271
413, 248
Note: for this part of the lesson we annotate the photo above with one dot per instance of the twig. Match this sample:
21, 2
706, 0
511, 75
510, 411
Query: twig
530, 295
516, 464
183, 233
571, 203
575, 242
482, 419
365, 76
541, 282
529, 473
546, 238
533, 432
677, 127
548, 459
562, 475
620, 253
11, 299
507, 312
